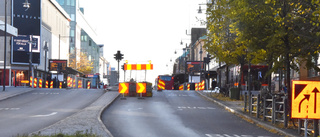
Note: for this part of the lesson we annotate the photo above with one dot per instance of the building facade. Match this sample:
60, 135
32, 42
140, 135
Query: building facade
39, 24
85, 37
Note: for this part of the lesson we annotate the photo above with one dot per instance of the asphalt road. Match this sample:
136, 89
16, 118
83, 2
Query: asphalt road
175, 113
40, 108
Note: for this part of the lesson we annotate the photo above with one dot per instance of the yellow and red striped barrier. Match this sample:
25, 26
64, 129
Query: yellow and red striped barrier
188, 87
196, 86
35, 82
68, 82
74, 83
138, 66
60, 85
89, 84
31, 79
161, 85
181, 87
79, 83
202, 85
71, 81
47, 84
51, 84
40, 83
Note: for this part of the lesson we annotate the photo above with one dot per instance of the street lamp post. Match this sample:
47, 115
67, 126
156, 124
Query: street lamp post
30, 60
5, 46
185, 60
45, 60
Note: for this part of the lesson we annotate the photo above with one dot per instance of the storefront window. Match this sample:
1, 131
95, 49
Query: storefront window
19, 77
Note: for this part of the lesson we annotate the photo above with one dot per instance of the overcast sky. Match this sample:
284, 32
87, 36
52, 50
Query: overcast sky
143, 30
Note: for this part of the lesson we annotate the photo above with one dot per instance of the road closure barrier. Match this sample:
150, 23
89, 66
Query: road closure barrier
132, 89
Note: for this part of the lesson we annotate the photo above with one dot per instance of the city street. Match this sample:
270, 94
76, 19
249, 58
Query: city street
37, 109
175, 113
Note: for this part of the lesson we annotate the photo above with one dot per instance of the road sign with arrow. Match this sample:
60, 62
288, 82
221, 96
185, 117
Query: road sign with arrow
305, 99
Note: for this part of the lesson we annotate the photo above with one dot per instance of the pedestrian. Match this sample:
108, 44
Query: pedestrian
285, 89
213, 84
54, 82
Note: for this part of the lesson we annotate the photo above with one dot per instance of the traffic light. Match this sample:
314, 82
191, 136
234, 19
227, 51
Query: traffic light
206, 60
118, 56
122, 67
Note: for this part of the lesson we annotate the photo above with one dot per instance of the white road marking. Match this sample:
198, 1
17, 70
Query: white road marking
45, 93
234, 135
135, 109
199, 108
53, 113
9, 108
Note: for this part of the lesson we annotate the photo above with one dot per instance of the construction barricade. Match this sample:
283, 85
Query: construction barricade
132, 89
40, 83
51, 84
181, 87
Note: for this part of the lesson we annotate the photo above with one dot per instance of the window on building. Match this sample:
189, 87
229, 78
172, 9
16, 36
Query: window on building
61, 2
68, 2
72, 17
83, 38
90, 42
72, 33
73, 3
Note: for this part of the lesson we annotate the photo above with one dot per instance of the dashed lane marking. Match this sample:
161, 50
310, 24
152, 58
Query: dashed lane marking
195, 108
9, 109
234, 135
45, 93
47, 115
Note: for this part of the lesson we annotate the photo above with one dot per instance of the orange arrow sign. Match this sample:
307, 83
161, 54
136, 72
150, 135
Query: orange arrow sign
123, 88
141, 87
305, 99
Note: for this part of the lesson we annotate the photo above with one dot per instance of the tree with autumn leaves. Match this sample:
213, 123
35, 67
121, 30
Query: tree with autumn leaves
279, 33
81, 63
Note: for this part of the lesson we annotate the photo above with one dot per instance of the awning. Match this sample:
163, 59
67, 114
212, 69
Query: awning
73, 71
11, 31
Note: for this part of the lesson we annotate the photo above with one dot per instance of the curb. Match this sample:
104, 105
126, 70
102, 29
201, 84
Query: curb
17, 94
255, 121
100, 114
97, 116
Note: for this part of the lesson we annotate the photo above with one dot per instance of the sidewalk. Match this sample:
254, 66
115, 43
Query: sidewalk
13, 91
86, 119
237, 107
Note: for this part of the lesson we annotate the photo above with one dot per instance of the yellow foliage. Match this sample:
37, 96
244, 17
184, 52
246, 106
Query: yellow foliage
82, 64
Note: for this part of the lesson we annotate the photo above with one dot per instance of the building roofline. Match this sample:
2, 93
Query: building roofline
62, 11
